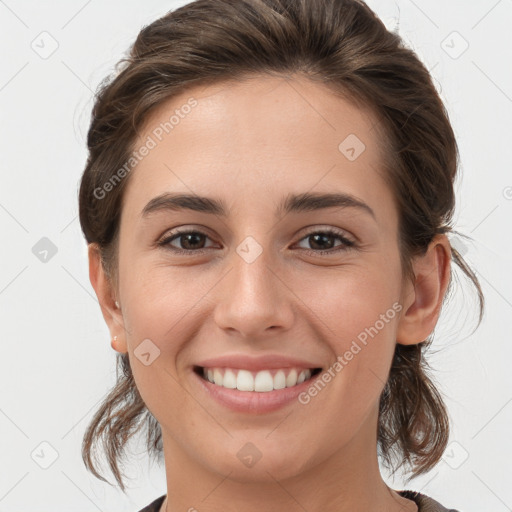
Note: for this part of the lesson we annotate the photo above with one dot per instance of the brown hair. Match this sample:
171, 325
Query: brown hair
339, 43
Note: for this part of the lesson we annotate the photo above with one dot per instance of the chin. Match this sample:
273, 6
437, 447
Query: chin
257, 462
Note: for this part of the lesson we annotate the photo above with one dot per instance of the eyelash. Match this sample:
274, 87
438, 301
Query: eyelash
346, 243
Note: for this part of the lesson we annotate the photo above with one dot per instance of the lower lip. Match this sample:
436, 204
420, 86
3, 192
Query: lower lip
254, 402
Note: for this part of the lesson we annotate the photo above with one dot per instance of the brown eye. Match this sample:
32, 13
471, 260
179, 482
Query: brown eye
322, 242
190, 241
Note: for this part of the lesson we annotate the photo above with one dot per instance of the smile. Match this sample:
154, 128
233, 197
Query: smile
253, 392
262, 381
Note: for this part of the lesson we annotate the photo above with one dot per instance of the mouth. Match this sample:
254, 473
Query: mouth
263, 381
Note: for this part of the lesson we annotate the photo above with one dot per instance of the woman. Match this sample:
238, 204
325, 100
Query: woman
266, 201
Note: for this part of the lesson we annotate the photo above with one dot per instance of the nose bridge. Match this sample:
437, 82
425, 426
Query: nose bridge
251, 273
253, 298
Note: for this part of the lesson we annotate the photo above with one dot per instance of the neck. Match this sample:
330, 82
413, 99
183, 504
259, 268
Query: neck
346, 480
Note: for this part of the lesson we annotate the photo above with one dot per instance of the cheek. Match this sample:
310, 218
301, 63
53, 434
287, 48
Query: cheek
359, 311
159, 299
352, 298
157, 306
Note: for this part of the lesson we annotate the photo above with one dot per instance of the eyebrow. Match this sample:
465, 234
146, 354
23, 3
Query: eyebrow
293, 203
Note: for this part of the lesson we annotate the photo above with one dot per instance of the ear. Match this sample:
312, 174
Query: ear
422, 300
107, 299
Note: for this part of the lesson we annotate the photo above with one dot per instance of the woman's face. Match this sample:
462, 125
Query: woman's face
251, 281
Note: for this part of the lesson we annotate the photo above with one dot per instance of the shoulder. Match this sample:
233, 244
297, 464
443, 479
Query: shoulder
154, 506
425, 504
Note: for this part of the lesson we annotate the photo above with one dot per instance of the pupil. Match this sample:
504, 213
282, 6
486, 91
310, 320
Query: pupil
315, 237
193, 236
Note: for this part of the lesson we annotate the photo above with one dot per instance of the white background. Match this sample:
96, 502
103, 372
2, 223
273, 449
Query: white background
56, 362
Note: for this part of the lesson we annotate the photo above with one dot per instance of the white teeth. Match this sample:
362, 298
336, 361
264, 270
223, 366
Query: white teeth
291, 380
261, 381
244, 381
229, 379
279, 380
217, 377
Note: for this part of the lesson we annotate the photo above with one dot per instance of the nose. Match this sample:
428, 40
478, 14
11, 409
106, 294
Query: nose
254, 298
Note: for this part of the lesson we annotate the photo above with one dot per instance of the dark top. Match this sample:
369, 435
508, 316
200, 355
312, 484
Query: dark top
425, 504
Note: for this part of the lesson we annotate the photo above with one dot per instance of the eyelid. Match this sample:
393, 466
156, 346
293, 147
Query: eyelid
347, 239
329, 229
314, 228
183, 230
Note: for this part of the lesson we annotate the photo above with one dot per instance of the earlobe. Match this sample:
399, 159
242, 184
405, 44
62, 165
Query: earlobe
106, 298
423, 299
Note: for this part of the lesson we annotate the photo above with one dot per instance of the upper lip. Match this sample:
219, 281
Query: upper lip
256, 363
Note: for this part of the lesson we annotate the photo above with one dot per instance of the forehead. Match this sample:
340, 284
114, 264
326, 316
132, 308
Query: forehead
257, 140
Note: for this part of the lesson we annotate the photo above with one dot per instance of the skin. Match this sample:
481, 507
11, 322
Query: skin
250, 144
